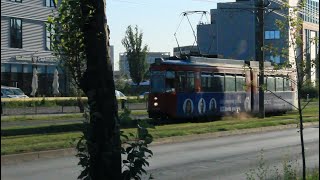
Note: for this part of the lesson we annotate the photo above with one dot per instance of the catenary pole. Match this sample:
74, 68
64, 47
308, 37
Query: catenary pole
260, 53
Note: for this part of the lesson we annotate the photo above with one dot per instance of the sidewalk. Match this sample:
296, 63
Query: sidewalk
16, 158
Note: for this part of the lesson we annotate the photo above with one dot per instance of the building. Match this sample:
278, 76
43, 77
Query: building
177, 51
25, 45
111, 52
231, 32
311, 31
150, 58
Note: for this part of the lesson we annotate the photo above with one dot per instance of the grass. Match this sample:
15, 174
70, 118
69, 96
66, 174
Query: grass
58, 117
40, 117
29, 143
290, 170
49, 138
46, 137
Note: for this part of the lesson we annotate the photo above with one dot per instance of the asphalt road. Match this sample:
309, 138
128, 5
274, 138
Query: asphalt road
227, 157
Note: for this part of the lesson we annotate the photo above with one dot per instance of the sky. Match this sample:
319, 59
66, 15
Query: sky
158, 20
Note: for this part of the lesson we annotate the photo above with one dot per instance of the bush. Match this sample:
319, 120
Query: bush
312, 91
44, 102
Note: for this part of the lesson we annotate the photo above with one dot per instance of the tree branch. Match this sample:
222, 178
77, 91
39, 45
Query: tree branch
306, 105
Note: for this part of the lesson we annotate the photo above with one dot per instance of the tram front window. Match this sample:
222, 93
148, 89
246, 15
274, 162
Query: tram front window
157, 84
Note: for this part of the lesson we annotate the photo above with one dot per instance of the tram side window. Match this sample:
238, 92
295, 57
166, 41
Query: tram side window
279, 84
240, 83
170, 75
270, 83
206, 81
190, 81
230, 83
286, 84
218, 83
264, 80
181, 81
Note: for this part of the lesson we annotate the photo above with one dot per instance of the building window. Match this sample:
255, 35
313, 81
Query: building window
49, 36
15, 33
5, 67
275, 59
27, 68
272, 34
16, 68
49, 3
311, 11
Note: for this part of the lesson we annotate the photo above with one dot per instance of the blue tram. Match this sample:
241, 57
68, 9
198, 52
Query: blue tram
201, 87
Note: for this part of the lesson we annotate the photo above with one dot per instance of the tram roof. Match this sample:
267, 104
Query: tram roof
202, 61
205, 61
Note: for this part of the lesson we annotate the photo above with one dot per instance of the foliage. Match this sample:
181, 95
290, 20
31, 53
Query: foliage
291, 28
68, 38
292, 22
289, 171
82, 147
261, 171
136, 54
56, 102
43, 103
135, 148
125, 119
68, 43
313, 92
122, 84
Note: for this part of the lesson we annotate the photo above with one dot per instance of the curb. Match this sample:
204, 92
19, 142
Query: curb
24, 157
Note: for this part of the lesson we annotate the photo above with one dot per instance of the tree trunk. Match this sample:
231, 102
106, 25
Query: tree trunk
300, 80
97, 83
302, 142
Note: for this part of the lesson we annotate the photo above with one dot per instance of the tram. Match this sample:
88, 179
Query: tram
196, 87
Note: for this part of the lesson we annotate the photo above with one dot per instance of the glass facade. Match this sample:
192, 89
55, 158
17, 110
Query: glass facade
311, 11
20, 75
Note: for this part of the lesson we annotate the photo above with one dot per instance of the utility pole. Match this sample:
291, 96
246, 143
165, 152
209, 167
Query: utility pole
260, 53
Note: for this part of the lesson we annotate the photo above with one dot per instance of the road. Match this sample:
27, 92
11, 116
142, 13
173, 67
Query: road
227, 157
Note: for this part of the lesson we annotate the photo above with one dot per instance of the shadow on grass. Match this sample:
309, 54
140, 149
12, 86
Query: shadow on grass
61, 128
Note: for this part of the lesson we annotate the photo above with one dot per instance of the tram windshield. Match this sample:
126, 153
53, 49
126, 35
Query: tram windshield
157, 81
162, 81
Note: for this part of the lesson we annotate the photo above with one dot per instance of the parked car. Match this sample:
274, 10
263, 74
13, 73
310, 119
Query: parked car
12, 92
120, 95
123, 98
143, 95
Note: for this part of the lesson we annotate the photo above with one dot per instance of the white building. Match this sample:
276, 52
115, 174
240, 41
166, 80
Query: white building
25, 44
151, 56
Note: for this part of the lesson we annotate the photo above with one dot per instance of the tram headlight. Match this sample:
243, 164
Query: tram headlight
155, 104
155, 98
